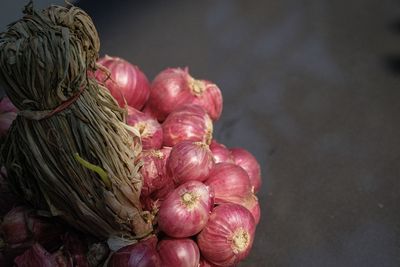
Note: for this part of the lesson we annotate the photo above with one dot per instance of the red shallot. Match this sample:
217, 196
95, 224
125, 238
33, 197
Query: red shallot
174, 87
186, 210
142, 254
157, 184
35, 256
228, 236
249, 163
205, 263
126, 82
149, 128
179, 253
229, 182
21, 226
220, 152
8, 113
189, 122
154, 170
251, 203
189, 161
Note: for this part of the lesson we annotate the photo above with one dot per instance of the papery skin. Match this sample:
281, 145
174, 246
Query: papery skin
151, 133
220, 152
187, 123
189, 161
230, 183
36, 256
174, 87
228, 236
142, 254
154, 170
182, 252
249, 163
186, 210
126, 82
21, 227
8, 113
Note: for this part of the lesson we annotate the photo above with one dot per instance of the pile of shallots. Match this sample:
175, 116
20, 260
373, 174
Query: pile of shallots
199, 194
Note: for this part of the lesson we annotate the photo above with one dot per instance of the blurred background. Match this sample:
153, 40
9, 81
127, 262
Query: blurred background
311, 88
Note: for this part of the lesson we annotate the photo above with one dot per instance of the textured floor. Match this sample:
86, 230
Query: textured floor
312, 89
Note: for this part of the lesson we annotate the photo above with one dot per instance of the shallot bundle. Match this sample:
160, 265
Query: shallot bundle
69, 150
132, 165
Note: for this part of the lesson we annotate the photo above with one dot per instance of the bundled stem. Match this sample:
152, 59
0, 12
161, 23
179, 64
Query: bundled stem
51, 154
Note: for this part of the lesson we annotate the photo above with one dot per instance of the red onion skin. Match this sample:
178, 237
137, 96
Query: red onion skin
179, 253
142, 254
210, 99
153, 202
6, 119
189, 161
220, 152
6, 105
8, 113
45, 232
149, 128
205, 263
190, 123
36, 256
229, 182
167, 151
169, 90
186, 210
163, 193
249, 163
251, 203
21, 227
174, 87
154, 171
149, 111
126, 81
228, 236
152, 193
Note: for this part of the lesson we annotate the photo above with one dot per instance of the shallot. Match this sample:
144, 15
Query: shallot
126, 82
220, 152
230, 183
186, 210
149, 128
189, 161
21, 227
179, 253
142, 254
249, 163
228, 236
154, 170
174, 87
251, 203
8, 113
156, 183
189, 122
205, 263
35, 256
